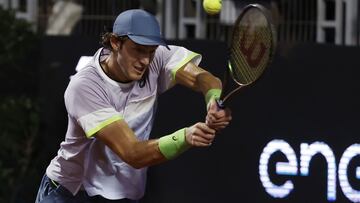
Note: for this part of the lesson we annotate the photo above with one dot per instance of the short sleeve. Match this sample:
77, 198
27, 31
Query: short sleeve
87, 102
171, 61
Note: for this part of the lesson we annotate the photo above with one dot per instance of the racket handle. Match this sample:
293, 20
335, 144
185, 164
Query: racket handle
220, 104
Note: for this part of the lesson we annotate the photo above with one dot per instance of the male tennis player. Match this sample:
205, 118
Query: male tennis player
111, 104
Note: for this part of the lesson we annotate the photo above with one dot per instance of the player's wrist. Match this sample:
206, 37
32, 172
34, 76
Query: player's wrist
212, 94
174, 144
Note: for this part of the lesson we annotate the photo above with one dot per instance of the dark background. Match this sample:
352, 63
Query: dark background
309, 93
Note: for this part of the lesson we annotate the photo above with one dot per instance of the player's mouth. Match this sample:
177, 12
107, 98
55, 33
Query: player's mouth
139, 70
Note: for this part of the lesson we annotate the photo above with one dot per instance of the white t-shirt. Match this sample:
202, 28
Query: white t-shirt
93, 100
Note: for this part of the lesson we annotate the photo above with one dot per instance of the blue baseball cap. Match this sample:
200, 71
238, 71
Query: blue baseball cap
140, 26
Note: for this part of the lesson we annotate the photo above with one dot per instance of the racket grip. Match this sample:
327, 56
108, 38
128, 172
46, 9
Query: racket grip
220, 104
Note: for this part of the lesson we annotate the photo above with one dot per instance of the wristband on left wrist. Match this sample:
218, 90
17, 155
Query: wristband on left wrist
212, 94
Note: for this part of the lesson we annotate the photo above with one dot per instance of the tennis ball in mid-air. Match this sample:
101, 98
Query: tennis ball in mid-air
212, 7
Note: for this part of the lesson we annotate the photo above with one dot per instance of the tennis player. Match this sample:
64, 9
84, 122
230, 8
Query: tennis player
111, 105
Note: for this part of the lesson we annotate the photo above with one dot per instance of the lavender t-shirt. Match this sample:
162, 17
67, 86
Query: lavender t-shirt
93, 101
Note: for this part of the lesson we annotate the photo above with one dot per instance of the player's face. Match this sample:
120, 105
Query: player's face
134, 59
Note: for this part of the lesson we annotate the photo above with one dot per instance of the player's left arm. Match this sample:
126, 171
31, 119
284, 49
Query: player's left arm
198, 79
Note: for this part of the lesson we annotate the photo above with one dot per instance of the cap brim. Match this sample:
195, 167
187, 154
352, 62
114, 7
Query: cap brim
148, 40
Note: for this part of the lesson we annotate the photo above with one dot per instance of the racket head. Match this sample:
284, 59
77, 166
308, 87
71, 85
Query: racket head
252, 45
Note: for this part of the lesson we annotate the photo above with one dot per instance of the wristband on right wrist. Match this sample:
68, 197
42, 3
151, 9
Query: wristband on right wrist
174, 144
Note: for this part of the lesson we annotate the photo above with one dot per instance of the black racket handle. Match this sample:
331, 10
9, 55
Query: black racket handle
220, 104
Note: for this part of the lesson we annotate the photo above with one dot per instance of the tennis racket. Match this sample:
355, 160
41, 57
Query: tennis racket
252, 48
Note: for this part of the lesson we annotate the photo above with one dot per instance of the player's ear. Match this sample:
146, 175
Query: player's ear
115, 43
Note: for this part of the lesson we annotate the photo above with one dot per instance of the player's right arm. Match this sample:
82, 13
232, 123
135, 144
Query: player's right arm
87, 102
122, 141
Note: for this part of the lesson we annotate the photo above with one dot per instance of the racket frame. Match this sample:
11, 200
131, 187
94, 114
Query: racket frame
229, 70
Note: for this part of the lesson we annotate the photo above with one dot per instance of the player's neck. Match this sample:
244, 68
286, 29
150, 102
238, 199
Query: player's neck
108, 66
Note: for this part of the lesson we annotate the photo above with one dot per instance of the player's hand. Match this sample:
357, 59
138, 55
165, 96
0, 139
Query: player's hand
199, 135
216, 117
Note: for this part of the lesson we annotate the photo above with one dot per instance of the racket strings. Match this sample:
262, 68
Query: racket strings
243, 74
240, 68
243, 71
256, 43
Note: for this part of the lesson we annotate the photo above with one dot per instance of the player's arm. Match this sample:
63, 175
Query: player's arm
198, 79
121, 140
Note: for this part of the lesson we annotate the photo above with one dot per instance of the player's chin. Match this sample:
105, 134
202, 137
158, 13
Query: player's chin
136, 76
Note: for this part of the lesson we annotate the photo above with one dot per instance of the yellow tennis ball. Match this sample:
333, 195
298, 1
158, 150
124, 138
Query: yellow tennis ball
212, 7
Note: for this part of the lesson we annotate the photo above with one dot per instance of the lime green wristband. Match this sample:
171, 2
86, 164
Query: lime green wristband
212, 94
174, 144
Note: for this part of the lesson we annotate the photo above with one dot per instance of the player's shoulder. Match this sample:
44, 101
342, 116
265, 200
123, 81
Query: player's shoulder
172, 48
86, 79
164, 55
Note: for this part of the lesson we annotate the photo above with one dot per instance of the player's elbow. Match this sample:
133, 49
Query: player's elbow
207, 77
218, 80
136, 165
133, 160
